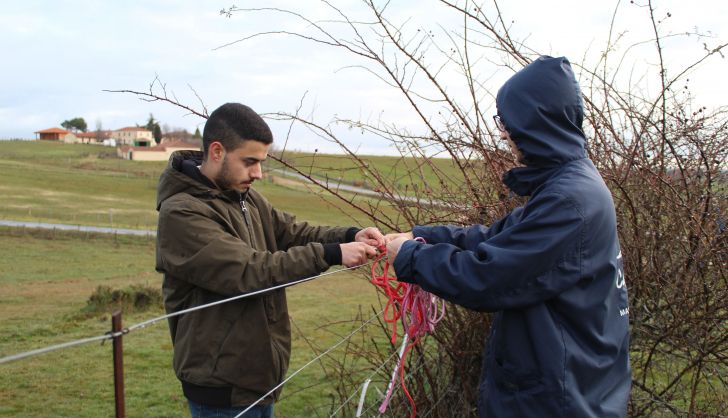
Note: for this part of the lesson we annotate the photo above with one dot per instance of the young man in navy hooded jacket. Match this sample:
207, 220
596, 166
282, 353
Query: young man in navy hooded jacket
551, 269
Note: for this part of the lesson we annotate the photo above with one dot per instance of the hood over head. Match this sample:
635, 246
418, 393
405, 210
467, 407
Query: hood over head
542, 109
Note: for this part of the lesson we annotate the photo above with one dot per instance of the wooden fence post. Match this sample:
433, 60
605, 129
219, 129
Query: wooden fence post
118, 365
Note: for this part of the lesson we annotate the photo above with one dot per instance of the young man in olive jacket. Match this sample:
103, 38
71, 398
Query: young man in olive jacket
551, 269
217, 238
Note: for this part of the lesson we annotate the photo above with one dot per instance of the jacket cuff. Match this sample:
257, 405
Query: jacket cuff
351, 234
421, 231
403, 263
332, 254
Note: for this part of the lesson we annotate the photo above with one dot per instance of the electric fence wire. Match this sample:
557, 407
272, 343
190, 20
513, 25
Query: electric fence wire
408, 376
144, 324
292, 375
391, 356
48, 349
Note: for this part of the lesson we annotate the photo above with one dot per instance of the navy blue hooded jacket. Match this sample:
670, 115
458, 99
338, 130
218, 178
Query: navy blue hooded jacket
552, 269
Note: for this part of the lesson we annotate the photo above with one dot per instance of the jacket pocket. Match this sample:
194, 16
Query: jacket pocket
198, 338
276, 308
514, 365
245, 358
510, 379
522, 377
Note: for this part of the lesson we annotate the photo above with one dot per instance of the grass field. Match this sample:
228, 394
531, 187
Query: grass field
88, 185
394, 169
47, 276
42, 297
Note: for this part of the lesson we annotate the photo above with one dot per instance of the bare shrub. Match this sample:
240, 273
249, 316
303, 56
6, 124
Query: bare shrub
662, 155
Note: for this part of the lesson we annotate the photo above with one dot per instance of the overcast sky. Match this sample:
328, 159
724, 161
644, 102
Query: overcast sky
60, 56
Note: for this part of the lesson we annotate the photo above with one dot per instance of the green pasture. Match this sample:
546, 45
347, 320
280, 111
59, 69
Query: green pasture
89, 185
46, 280
46, 277
405, 173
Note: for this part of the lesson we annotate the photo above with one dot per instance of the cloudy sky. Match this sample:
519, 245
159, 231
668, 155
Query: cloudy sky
60, 56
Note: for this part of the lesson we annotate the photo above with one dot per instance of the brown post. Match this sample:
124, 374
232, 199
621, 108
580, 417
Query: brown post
118, 365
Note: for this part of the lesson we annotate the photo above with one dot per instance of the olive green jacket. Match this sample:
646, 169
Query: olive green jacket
213, 245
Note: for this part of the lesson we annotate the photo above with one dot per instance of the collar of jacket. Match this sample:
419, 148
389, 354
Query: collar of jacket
523, 181
187, 163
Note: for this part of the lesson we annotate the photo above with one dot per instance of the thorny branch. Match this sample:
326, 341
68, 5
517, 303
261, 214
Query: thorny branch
158, 93
663, 159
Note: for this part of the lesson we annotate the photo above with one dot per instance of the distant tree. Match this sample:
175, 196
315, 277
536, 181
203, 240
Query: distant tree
157, 133
197, 133
151, 122
153, 125
99, 131
75, 124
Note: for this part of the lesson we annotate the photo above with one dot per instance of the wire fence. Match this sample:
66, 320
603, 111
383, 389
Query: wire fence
144, 324
50, 348
117, 334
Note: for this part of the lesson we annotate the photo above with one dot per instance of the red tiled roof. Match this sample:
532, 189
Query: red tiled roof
52, 131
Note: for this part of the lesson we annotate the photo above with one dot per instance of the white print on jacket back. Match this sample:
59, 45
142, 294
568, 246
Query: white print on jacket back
620, 282
620, 271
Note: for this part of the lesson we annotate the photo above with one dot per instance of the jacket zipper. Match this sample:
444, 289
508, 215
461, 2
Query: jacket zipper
246, 217
270, 308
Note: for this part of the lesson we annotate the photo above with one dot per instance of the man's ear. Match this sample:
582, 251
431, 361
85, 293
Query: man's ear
216, 151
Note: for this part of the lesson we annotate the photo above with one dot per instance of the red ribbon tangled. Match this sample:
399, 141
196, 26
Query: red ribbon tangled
417, 309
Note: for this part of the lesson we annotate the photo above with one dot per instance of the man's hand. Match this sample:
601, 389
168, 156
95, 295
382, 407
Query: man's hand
394, 245
356, 253
391, 237
371, 236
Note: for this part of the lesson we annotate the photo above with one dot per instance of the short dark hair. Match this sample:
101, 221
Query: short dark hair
232, 124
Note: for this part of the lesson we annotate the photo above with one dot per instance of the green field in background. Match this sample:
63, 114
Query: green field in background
46, 276
88, 185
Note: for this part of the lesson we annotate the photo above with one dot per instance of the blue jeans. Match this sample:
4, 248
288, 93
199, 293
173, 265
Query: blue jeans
205, 411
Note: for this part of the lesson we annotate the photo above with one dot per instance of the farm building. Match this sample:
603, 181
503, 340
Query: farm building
52, 134
134, 136
159, 152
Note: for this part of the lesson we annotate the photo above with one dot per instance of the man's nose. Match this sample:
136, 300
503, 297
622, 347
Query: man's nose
256, 172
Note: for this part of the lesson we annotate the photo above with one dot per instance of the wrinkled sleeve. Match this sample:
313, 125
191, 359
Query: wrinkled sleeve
290, 233
466, 238
195, 246
512, 268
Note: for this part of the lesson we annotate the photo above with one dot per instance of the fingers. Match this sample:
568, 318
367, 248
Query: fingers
356, 253
366, 243
371, 236
371, 251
